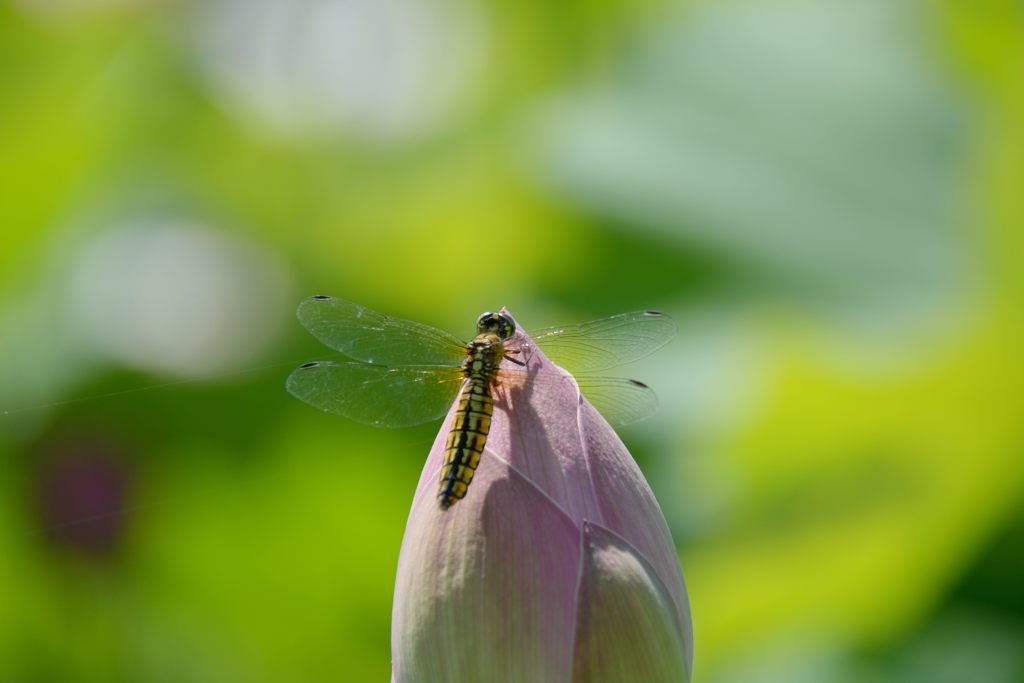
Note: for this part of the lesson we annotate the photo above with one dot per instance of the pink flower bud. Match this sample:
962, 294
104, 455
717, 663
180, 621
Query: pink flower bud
557, 566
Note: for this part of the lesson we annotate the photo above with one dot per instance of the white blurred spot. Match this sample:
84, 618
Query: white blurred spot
178, 298
387, 69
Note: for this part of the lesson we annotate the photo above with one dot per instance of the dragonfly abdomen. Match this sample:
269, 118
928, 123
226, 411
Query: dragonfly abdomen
466, 439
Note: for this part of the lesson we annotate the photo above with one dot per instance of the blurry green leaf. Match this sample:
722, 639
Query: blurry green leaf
814, 141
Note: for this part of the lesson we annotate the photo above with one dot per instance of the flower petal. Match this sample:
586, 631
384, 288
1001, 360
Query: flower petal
628, 507
627, 628
431, 473
486, 590
535, 428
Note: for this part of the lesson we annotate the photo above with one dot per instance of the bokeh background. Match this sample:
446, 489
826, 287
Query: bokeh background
827, 195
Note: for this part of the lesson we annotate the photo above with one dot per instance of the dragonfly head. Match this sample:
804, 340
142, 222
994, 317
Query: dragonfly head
496, 323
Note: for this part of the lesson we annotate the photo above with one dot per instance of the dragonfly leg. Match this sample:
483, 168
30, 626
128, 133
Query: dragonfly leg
527, 353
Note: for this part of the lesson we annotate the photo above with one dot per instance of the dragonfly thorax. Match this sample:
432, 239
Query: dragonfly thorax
483, 356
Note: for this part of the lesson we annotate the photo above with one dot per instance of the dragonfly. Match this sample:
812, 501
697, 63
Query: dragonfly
405, 373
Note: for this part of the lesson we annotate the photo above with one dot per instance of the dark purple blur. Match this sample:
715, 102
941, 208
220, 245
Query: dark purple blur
83, 486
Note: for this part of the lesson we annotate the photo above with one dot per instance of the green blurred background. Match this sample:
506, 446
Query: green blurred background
828, 196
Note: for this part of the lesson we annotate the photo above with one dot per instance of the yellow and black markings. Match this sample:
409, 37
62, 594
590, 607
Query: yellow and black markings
472, 422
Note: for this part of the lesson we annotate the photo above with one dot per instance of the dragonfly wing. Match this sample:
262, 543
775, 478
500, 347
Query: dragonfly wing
620, 401
373, 337
605, 343
377, 395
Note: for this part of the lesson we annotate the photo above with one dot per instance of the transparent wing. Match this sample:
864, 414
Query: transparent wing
605, 343
377, 395
620, 401
373, 337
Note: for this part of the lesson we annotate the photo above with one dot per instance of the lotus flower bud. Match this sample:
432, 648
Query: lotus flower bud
557, 567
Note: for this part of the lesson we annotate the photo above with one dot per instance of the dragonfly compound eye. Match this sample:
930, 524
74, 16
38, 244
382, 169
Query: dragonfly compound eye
498, 324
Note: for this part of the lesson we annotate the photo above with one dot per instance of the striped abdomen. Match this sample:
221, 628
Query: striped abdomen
466, 439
